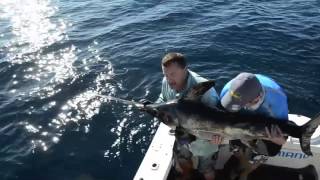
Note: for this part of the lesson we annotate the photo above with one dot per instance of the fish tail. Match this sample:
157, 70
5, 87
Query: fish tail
307, 131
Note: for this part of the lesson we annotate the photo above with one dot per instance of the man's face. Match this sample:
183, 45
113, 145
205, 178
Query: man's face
255, 104
175, 75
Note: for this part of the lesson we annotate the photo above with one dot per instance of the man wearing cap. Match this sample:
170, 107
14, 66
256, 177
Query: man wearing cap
255, 93
259, 94
178, 79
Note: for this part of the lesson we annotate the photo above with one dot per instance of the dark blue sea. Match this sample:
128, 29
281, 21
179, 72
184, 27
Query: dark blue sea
56, 56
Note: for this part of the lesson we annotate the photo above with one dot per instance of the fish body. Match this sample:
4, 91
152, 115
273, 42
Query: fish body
203, 122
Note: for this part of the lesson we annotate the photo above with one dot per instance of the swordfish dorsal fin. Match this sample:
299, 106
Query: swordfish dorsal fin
198, 90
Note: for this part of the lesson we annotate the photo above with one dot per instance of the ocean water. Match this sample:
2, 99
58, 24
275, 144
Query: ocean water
57, 56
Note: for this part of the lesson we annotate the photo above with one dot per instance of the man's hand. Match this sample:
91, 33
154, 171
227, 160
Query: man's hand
145, 102
275, 135
216, 139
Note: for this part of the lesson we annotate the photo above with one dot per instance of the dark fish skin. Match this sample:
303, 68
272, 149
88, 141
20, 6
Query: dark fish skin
203, 122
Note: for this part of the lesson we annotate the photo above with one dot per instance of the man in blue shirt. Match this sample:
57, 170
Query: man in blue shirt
255, 93
259, 94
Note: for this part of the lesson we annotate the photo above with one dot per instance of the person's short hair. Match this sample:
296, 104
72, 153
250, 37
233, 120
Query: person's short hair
171, 58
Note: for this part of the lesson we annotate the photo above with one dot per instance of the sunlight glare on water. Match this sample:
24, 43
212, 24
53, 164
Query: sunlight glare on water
35, 29
59, 60
32, 29
31, 24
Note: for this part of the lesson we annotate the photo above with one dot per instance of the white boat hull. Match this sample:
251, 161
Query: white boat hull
158, 159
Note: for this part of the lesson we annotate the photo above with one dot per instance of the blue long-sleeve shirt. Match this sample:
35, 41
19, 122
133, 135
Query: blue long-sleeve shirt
275, 100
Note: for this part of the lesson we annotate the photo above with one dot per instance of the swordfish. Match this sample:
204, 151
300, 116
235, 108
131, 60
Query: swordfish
203, 122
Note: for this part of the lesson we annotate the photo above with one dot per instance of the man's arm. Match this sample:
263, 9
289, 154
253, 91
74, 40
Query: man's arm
277, 101
280, 105
210, 98
225, 89
161, 97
